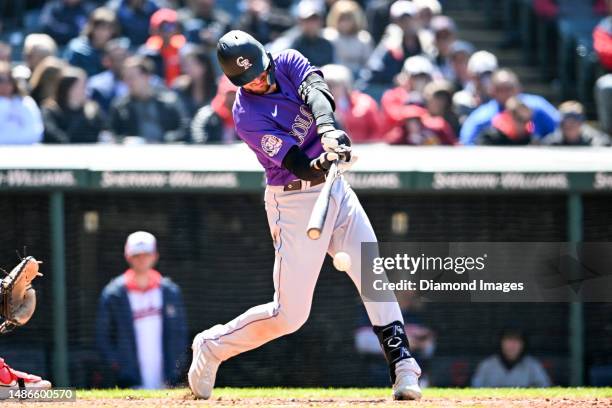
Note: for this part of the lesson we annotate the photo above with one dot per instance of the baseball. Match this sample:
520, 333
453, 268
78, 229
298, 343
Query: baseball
342, 261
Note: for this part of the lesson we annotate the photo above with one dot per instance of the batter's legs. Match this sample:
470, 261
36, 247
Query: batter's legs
297, 265
353, 227
298, 261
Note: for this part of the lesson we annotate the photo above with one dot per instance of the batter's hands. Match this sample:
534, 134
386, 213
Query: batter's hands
324, 161
337, 141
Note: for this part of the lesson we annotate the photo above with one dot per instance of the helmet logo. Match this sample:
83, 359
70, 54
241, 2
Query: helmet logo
244, 63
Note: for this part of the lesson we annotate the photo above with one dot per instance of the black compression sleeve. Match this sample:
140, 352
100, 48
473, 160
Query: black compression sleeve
298, 163
316, 94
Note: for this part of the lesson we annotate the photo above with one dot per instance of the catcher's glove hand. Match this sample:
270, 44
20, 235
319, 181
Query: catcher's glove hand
17, 298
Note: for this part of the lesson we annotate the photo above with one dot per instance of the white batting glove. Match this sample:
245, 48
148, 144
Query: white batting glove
337, 141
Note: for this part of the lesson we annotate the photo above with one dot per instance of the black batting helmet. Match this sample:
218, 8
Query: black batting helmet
242, 57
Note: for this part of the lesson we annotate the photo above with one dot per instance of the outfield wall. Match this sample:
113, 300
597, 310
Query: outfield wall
73, 207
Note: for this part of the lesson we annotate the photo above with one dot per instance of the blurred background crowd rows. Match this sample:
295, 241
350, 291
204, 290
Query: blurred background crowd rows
420, 72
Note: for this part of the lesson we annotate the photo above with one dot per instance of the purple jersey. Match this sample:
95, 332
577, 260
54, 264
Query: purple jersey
271, 124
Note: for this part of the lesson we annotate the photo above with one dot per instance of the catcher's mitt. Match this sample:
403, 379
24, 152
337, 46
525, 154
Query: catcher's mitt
17, 297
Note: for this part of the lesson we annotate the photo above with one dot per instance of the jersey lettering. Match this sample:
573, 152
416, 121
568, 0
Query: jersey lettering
301, 124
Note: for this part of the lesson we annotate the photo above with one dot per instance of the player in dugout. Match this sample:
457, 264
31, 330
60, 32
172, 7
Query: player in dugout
284, 111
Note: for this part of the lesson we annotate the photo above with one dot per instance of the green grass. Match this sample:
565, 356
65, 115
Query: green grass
318, 393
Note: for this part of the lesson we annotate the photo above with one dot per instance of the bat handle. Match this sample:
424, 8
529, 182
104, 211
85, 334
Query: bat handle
319, 210
314, 233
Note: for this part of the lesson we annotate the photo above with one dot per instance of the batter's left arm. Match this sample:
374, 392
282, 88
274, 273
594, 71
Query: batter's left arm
316, 94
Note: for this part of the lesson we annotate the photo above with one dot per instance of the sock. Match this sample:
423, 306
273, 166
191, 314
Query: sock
394, 343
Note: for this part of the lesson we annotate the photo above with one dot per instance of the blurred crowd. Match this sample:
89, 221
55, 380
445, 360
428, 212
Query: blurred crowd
145, 71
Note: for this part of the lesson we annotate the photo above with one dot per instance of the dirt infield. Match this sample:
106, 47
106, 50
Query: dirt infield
332, 402
556, 398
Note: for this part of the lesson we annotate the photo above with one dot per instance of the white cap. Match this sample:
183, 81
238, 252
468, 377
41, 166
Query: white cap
481, 62
418, 65
443, 23
401, 8
338, 74
433, 5
140, 242
308, 8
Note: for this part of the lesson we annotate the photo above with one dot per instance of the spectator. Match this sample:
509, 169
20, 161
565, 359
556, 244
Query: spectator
551, 9
44, 79
439, 102
356, 112
6, 52
573, 130
417, 73
511, 366
282, 4
378, 16
445, 34
401, 41
21, 73
20, 119
164, 44
459, 55
37, 47
318, 50
141, 330
511, 127
426, 11
346, 31
64, 19
601, 7
204, 24
108, 85
146, 112
505, 84
134, 17
602, 39
86, 51
69, 117
419, 128
264, 22
603, 96
196, 87
480, 67
214, 123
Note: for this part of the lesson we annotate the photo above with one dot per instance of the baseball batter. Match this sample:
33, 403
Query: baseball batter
284, 113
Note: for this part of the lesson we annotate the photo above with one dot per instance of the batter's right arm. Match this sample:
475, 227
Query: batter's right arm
305, 168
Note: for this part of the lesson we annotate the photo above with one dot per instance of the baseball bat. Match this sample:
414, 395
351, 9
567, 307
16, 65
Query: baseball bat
319, 211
